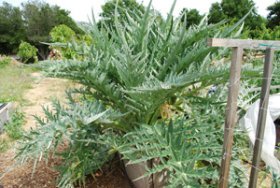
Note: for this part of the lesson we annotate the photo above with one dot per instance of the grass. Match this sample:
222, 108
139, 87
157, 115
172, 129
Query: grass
15, 78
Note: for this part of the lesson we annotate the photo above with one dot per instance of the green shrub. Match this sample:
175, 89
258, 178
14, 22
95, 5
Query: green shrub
62, 33
65, 41
27, 52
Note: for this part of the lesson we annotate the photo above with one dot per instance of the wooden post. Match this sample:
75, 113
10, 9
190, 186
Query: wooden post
238, 45
267, 75
231, 110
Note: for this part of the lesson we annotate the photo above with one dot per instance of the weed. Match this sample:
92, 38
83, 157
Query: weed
14, 127
4, 145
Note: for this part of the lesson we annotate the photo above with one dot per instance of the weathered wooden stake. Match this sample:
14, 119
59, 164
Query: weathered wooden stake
238, 45
267, 75
231, 109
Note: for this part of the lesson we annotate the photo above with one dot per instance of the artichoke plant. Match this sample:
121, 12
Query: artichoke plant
140, 81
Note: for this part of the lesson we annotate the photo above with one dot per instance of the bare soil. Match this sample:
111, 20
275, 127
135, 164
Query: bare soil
41, 94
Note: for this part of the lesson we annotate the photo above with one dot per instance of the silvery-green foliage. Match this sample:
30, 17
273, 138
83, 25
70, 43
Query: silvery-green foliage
60, 134
128, 73
189, 150
143, 63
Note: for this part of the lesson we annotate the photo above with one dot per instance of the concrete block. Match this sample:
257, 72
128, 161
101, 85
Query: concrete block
5, 110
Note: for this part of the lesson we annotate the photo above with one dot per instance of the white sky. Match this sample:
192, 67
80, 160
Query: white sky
81, 9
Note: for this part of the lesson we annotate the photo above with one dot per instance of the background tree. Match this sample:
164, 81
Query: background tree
123, 6
191, 17
216, 13
234, 10
12, 29
40, 18
237, 8
273, 17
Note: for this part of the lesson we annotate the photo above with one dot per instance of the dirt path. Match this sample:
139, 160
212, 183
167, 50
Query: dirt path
41, 94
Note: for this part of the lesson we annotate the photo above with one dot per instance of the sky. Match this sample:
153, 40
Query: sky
81, 9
